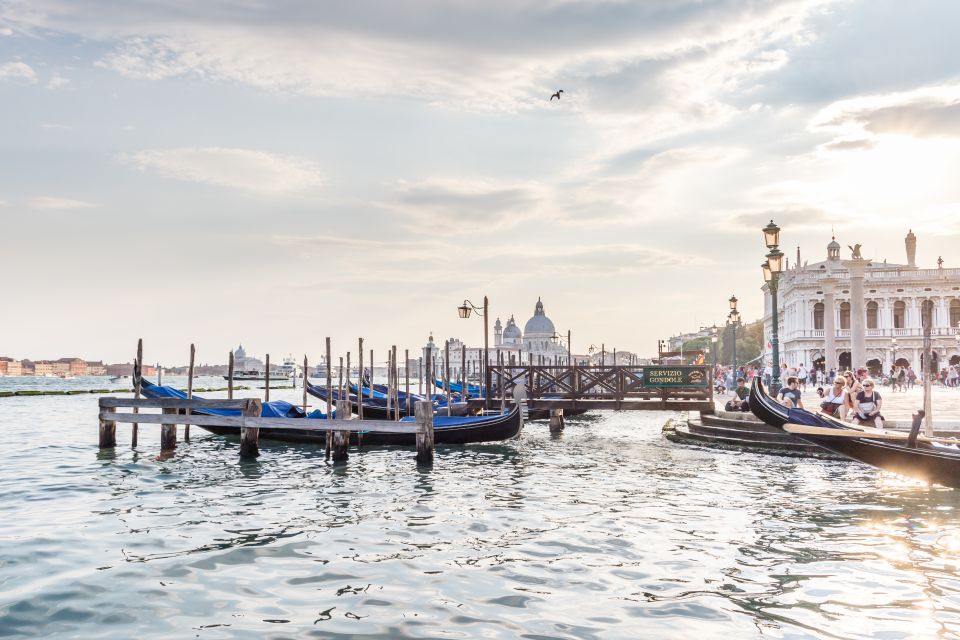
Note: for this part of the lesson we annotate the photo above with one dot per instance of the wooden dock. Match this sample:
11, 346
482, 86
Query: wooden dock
611, 387
177, 411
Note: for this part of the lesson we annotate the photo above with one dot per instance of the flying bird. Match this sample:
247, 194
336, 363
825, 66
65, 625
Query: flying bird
556, 95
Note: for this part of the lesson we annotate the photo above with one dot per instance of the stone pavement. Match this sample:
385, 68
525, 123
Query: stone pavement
900, 406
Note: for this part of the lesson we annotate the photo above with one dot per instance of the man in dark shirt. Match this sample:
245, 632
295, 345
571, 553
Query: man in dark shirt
739, 400
790, 394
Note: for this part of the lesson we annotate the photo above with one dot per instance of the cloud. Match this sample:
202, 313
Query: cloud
57, 81
244, 169
44, 202
447, 207
932, 111
17, 71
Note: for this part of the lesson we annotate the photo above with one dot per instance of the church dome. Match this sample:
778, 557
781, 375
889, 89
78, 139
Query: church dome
511, 331
539, 324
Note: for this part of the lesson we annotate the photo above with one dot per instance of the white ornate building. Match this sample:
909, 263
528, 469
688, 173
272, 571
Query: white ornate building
814, 301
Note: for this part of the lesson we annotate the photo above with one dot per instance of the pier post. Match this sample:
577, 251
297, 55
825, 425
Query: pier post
406, 377
108, 429
424, 413
340, 439
186, 427
230, 376
250, 436
362, 383
168, 433
306, 367
556, 420
266, 379
138, 367
329, 399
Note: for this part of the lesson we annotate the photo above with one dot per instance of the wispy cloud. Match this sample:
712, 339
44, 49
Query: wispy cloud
244, 169
46, 202
17, 71
57, 81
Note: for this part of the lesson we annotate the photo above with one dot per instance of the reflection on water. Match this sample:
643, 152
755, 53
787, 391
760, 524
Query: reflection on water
606, 531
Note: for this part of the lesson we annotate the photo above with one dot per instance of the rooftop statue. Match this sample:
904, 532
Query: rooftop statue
855, 249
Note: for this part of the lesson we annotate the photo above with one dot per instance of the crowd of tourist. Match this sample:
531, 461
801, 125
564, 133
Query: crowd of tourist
847, 395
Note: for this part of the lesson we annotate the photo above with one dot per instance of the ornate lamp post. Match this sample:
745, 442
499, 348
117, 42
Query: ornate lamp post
713, 344
733, 318
771, 236
484, 312
660, 349
558, 339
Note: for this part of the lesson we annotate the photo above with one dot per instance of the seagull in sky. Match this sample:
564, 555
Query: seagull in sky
556, 95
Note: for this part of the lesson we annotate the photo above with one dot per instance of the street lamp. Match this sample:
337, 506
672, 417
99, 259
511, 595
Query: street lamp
484, 312
713, 341
771, 237
733, 319
558, 339
660, 349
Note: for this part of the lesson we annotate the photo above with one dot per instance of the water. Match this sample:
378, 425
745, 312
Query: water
608, 531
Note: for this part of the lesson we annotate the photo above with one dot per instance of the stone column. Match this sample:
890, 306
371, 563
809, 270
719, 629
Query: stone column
858, 349
829, 325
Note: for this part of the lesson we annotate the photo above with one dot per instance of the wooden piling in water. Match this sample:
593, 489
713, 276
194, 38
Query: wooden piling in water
305, 368
230, 376
250, 436
395, 370
168, 434
136, 390
360, 395
406, 377
446, 373
424, 413
329, 440
266, 378
108, 430
556, 420
339, 440
186, 427
370, 391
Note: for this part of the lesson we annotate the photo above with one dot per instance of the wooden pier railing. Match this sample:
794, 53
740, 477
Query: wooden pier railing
682, 387
176, 411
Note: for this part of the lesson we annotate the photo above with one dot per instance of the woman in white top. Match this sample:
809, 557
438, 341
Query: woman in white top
867, 405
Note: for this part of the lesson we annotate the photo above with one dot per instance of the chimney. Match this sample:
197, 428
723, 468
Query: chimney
911, 242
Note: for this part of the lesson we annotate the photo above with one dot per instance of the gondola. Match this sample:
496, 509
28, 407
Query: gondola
376, 408
446, 430
899, 453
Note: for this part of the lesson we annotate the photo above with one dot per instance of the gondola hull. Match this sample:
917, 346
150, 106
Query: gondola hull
925, 461
468, 431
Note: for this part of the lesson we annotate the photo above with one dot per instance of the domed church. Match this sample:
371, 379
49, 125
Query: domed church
539, 336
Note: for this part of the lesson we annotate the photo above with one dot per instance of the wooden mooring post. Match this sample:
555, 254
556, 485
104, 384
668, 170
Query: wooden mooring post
136, 390
250, 436
556, 420
168, 434
186, 427
424, 413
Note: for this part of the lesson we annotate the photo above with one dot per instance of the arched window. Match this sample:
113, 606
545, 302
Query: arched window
899, 314
955, 313
872, 312
844, 315
818, 315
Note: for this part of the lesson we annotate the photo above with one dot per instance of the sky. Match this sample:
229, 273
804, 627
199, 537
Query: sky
272, 173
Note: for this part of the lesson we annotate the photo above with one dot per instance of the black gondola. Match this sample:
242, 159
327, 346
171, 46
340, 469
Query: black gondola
376, 408
446, 430
924, 460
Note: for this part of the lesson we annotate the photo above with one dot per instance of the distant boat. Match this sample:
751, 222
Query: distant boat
252, 375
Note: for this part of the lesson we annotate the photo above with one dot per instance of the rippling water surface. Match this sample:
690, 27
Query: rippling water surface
607, 531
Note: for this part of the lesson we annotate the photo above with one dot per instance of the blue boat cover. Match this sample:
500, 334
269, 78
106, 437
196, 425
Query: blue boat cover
272, 409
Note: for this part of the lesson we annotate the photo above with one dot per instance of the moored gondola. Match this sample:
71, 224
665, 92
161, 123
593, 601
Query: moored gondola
916, 457
446, 430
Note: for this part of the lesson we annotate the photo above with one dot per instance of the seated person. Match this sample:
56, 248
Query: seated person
739, 400
866, 406
790, 394
834, 400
